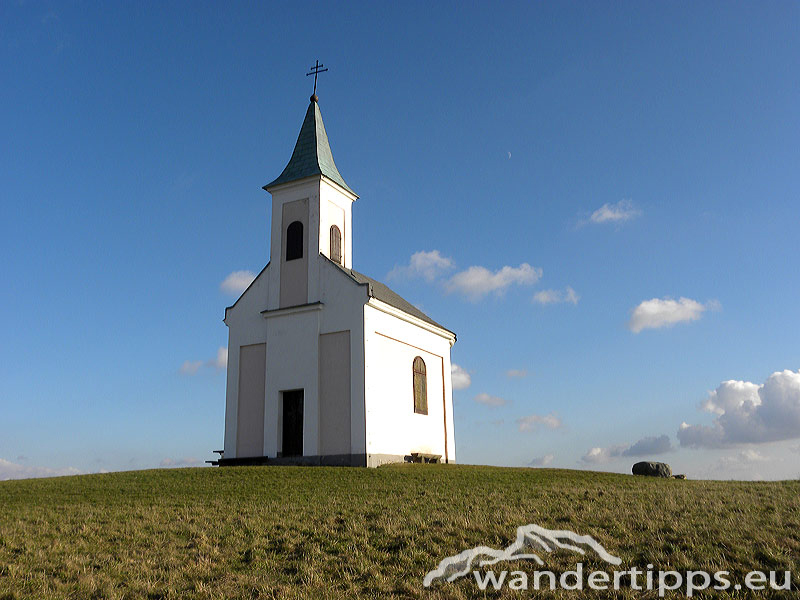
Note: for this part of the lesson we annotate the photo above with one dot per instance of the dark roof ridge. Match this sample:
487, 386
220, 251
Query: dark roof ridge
380, 291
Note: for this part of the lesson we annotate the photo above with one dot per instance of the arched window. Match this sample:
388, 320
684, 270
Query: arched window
336, 244
294, 241
420, 387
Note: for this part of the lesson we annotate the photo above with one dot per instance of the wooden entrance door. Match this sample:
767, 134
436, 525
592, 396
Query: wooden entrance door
293, 423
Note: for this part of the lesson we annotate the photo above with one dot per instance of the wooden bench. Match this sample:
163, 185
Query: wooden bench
421, 457
215, 463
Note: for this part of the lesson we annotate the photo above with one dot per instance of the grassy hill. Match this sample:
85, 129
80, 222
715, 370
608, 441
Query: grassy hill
284, 532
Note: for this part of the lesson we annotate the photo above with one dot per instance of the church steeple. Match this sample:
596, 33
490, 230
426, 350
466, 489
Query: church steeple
311, 216
312, 153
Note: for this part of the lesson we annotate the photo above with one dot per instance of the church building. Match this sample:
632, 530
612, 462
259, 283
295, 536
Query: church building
326, 365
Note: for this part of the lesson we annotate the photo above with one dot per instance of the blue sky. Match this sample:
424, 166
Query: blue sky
644, 156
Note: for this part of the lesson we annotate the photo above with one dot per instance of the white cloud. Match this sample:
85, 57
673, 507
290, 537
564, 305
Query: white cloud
542, 461
747, 413
219, 363
663, 312
746, 457
460, 376
547, 297
743, 464
730, 395
647, 446
484, 398
191, 367
603, 455
519, 373
428, 265
568, 296
533, 422
11, 470
622, 211
181, 462
237, 282
477, 282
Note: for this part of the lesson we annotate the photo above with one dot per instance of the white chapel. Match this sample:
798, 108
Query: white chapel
326, 365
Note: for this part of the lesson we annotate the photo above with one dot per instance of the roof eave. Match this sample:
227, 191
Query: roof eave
344, 188
397, 312
285, 184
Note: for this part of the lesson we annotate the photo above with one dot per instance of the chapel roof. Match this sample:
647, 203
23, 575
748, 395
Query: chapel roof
312, 152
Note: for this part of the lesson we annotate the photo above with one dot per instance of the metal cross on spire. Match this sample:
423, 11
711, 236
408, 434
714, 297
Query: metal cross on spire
316, 70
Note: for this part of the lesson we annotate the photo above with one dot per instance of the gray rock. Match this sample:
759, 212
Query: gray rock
652, 469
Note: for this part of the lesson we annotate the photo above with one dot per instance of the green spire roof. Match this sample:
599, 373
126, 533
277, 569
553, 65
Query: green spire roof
312, 152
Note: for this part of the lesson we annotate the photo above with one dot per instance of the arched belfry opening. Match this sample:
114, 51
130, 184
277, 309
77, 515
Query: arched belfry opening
294, 241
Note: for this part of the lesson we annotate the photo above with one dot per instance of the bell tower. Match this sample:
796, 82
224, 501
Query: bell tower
311, 215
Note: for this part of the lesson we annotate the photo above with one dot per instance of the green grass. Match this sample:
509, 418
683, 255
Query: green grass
286, 532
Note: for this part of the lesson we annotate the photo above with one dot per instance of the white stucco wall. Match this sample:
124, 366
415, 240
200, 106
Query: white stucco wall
292, 356
391, 343
328, 204
336, 208
245, 326
335, 397
344, 309
294, 273
307, 189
